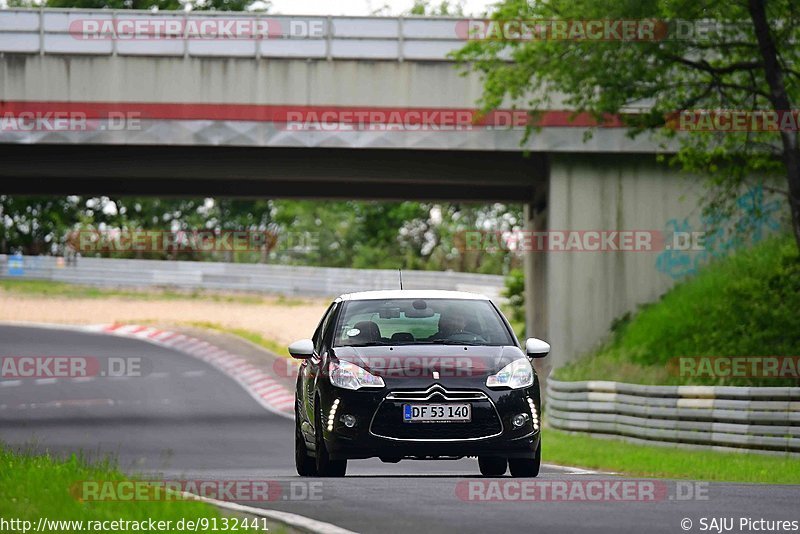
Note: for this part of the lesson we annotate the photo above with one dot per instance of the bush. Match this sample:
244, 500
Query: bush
515, 293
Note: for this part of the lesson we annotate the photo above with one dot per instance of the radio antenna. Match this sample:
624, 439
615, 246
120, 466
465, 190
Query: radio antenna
401, 278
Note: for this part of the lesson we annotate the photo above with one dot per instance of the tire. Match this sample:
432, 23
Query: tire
492, 466
325, 466
305, 464
526, 467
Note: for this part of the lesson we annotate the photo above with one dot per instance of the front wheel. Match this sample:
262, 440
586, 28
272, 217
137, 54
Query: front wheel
526, 467
492, 466
325, 466
305, 464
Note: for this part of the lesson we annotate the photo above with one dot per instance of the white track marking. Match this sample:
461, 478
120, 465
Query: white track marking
575, 470
45, 381
294, 520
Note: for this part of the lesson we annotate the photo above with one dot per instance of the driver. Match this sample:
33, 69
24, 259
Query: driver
450, 323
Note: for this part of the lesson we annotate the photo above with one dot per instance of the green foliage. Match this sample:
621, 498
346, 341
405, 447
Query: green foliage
743, 305
49, 289
36, 224
648, 81
253, 337
116, 4
33, 486
165, 5
444, 8
392, 235
515, 293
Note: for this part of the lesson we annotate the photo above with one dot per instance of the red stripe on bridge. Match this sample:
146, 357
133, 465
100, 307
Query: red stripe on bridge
288, 113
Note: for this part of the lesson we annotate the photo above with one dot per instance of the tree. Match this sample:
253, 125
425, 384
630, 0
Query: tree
166, 5
116, 4
36, 225
747, 59
359, 234
444, 8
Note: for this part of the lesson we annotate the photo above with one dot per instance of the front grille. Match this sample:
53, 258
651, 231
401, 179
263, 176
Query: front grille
388, 419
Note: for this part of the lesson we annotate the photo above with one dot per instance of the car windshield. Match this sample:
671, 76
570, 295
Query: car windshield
420, 321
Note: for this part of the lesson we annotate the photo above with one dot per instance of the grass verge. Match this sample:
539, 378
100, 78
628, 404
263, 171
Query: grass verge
34, 486
249, 335
743, 305
47, 288
579, 450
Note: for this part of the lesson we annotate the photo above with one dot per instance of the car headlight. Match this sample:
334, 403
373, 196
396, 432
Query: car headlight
517, 374
350, 376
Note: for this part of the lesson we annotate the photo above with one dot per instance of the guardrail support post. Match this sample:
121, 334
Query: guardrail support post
329, 38
41, 29
114, 37
400, 41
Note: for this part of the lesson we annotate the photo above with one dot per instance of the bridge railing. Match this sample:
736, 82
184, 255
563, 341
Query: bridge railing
226, 34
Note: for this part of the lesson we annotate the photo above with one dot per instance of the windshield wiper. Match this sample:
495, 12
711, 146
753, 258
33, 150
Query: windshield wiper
453, 342
368, 344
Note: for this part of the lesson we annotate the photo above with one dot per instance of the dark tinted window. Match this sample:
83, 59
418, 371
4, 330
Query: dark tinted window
420, 321
322, 327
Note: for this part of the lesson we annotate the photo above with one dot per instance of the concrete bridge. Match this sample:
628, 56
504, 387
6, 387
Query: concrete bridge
327, 107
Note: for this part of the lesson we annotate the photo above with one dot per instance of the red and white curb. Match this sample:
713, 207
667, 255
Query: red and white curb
263, 388
267, 391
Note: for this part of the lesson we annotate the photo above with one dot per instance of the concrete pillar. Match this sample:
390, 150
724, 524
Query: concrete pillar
535, 267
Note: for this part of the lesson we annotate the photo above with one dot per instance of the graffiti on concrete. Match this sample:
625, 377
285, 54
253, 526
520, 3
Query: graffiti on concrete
755, 218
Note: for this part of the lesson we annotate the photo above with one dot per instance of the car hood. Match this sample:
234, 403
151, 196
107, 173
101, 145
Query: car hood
421, 360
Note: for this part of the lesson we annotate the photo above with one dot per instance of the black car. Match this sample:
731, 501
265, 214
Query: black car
416, 374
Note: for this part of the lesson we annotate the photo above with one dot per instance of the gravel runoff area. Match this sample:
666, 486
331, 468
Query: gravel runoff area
272, 318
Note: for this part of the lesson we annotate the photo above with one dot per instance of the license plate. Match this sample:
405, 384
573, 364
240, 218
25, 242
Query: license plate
437, 413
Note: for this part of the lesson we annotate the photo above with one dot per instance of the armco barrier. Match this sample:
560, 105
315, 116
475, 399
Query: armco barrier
277, 279
757, 419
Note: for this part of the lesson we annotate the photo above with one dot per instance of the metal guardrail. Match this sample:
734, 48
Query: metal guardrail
61, 31
277, 279
758, 419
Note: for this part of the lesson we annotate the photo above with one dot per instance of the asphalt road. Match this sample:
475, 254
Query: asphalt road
184, 419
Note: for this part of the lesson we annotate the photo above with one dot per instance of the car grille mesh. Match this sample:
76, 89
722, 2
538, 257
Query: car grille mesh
388, 419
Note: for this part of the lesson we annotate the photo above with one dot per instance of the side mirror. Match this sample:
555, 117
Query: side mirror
536, 348
302, 350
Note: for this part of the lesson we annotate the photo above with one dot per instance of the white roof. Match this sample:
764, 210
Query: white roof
412, 294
